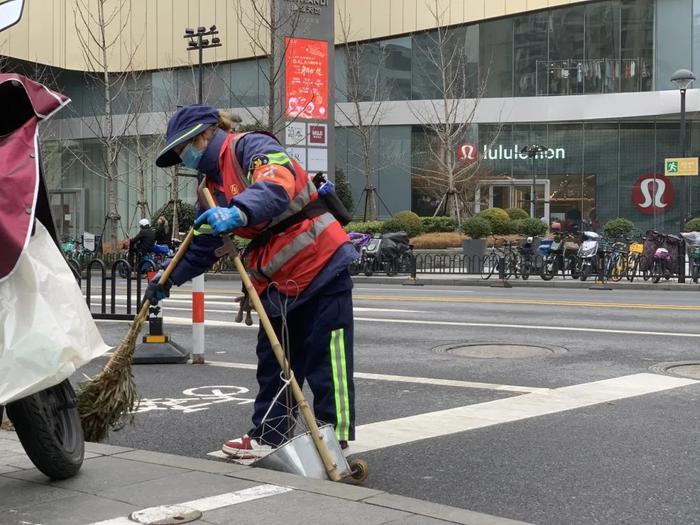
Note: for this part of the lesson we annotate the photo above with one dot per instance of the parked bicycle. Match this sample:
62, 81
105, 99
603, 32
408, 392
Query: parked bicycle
505, 256
692, 242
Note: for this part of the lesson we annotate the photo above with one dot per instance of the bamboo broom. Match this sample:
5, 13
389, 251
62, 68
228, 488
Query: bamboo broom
108, 400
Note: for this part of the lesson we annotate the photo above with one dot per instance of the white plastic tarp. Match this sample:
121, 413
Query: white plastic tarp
47, 332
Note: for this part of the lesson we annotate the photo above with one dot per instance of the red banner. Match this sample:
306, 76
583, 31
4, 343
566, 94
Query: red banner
306, 78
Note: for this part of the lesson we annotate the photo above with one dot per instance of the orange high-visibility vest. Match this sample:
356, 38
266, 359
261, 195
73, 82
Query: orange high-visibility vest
293, 258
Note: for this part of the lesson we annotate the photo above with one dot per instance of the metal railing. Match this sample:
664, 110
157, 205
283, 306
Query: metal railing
108, 284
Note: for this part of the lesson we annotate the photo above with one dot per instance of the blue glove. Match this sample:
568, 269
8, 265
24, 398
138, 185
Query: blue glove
222, 220
157, 292
326, 188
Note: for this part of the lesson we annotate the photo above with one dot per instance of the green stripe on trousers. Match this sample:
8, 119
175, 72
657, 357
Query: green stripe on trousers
340, 384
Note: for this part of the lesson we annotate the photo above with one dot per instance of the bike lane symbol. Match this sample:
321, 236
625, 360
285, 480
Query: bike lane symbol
198, 399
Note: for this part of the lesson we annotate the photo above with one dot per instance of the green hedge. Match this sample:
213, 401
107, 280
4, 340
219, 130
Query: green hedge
517, 214
530, 227
499, 220
477, 227
438, 224
618, 228
693, 225
404, 221
371, 227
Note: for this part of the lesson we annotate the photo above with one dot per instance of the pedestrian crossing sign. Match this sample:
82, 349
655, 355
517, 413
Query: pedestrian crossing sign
681, 167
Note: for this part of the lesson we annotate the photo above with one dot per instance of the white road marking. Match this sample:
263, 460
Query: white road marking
451, 421
202, 505
187, 321
528, 327
408, 379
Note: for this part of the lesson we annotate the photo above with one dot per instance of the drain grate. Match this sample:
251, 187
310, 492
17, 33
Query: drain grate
685, 369
497, 350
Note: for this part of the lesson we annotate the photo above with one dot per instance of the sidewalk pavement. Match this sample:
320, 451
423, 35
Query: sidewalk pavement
116, 482
534, 281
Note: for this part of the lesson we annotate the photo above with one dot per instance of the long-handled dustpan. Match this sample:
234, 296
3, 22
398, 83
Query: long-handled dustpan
315, 453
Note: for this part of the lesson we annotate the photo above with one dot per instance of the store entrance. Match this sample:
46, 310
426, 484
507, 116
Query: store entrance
572, 202
514, 193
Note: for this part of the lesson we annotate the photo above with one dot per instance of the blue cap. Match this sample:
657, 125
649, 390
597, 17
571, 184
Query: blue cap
184, 125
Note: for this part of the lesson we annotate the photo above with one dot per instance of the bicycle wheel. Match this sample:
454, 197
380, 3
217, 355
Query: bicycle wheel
657, 272
489, 266
632, 267
525, 269
511, 266
549, 268
619, 268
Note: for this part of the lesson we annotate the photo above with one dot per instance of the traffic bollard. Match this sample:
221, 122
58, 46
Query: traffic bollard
156, 347
413, 277
198, 320
502, 281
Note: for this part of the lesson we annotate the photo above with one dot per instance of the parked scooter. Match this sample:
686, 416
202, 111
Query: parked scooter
587, 258
47, 422
387, 252
692, 242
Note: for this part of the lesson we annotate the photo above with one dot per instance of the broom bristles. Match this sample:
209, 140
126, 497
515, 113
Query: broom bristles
108, 401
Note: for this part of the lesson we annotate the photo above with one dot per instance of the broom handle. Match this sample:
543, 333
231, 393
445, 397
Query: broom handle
169, 269
304, 408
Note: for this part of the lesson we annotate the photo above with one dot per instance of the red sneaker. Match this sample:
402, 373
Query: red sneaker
245, 447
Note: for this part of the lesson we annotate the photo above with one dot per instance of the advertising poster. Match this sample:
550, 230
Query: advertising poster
306, 78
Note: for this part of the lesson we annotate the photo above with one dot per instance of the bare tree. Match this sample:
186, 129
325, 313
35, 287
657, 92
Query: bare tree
363, 91
447, 119
99, 24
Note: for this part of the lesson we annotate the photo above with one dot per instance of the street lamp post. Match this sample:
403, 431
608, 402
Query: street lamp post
199, 43
532, 152
683, 79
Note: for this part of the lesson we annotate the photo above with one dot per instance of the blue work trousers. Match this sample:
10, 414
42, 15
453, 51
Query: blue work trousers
320, 349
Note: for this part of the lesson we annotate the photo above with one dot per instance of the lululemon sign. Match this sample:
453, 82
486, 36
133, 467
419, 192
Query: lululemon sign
653, 194
467, 153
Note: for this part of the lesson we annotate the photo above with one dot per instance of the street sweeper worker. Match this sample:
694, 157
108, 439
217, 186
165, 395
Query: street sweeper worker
298, 261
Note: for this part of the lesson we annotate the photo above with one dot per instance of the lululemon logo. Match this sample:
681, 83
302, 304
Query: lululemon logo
467, 153
653, 194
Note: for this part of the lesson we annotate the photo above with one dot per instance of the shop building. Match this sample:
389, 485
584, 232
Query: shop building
589, 80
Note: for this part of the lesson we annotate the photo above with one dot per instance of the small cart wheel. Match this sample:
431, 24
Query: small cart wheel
359, 471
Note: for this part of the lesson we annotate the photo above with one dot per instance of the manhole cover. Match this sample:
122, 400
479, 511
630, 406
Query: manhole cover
165, 515
497, 350
687, 369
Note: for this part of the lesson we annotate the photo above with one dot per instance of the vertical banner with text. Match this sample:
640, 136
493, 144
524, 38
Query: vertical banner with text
305, 53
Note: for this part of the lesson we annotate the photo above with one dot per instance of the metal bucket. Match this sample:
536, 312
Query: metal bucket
299, 456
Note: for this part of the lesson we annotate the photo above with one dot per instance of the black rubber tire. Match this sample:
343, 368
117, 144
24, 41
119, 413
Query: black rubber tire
367, 268
573, 267
525, 270
585, 272
492, 262
549, 268
48, 426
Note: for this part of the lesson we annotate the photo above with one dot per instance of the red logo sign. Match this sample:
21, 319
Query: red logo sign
653, 194
467, 153
317, 134
306, 78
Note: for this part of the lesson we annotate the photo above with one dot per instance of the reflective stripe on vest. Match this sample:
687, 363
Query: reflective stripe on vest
301, 241
302, 199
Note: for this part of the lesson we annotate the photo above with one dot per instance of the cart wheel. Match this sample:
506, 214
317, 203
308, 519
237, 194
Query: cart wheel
359, 471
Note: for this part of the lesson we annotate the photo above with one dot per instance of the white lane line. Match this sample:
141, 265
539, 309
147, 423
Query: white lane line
408, 379
527, 327
164, 512
451, 421
186, 321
